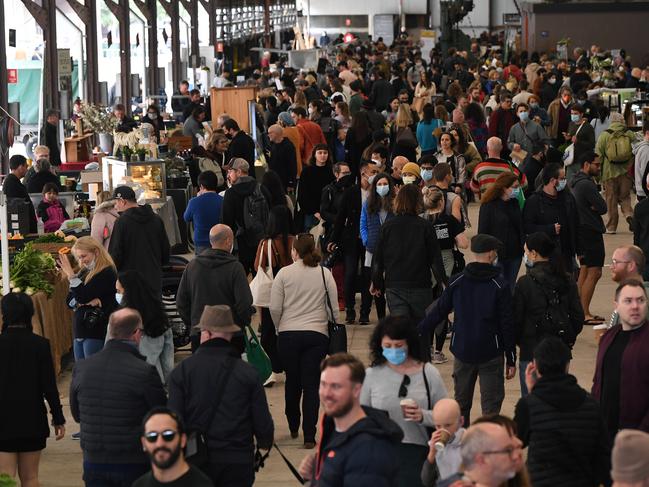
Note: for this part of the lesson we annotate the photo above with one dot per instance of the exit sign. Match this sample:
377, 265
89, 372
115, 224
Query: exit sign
12, 76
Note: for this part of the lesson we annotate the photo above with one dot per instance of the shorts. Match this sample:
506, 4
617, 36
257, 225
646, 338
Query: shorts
22, 445
592, 248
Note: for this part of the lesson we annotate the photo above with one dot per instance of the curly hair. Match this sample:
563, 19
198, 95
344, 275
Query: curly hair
397, 328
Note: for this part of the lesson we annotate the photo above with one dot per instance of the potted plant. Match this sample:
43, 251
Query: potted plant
100, 120
127, 152
141, 153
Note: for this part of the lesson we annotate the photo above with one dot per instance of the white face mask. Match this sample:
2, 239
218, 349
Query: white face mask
119, 297
409, 179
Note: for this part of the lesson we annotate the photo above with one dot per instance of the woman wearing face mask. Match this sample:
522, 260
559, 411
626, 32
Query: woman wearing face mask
549, 88
500, 216
536, 294
157, 343
537, 112
299, 311
411, 174
582, 135
450, 234
153, 117
401, 383
376, 210
448, 153
314, 178
390, 113
92, 294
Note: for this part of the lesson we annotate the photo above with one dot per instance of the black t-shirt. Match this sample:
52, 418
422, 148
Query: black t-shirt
446, 229
192, 478
611, 373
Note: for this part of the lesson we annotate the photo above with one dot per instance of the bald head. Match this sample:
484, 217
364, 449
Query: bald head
494, 147
221, 237
397, 165
275, 133
446, 415
124, 323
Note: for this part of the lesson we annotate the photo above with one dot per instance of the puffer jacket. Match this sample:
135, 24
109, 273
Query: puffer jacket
530, 304
363, 456
103, 221
110, 393
564, 429
371, 228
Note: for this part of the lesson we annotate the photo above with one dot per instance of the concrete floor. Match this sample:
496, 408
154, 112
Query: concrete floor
61, 464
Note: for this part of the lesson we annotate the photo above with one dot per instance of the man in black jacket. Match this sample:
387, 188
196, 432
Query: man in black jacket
227, 280
110, 393
51, 135
347, 234
553, 211
241, 144
282, 158
359, 444
483, 330
382, 92
561, 423
244, 187
591, 207
13, 188
139, 240
220, 395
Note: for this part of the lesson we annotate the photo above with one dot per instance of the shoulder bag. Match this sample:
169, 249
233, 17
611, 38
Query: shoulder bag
569, 153
337, 331
256, 355
429, 430
196, 450
262, 284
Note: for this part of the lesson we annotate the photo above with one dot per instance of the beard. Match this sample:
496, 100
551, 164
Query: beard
342, 410
170, 461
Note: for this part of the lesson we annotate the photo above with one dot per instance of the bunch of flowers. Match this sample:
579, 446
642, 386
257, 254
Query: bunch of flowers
98, 118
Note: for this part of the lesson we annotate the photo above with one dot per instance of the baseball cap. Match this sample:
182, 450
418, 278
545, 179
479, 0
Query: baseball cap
125, 193
217, 318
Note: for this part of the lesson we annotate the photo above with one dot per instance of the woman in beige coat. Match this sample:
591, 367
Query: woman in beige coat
103, 219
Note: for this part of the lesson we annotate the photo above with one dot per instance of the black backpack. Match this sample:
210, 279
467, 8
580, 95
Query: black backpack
556, 319
255, 217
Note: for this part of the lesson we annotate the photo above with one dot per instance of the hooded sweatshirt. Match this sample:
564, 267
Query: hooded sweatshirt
612, 170
139, 242
563, 427
364, 455
483, 328
103, 221
641, 153
590, 204
214, 277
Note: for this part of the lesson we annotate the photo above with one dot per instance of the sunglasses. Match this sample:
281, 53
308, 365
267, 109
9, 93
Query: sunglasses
403, 388
167, 436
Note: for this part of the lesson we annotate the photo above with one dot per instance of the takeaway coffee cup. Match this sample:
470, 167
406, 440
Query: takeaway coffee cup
599, 330
440, 444
407, 402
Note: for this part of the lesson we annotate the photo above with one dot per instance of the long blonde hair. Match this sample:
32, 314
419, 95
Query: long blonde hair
102, 259
404, 116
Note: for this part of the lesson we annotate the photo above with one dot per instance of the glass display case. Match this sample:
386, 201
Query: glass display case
147, 178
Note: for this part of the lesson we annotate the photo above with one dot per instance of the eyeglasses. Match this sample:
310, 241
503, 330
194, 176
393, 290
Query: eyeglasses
505, 451
167, 435
615, 262
403, 388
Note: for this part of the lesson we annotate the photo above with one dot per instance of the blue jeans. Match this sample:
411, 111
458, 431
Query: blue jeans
159, 351
85, 347
510, 269
522, 365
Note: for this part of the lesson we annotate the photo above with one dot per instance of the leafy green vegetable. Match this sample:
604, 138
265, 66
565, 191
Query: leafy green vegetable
30, 268
49, 238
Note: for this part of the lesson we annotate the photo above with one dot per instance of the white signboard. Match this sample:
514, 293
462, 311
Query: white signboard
384, 27
65, 62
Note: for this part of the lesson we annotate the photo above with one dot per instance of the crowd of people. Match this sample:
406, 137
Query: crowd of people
371, 163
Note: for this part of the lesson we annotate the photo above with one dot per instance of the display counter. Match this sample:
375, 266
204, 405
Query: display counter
148, 175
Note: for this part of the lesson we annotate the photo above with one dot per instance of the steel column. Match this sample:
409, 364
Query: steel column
172, 7
148, 9
122, 12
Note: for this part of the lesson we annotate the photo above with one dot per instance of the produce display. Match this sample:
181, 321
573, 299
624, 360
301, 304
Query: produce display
31, 271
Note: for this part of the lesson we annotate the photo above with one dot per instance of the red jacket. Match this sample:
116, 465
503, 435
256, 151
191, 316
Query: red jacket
634, 380
500, 123
311, 135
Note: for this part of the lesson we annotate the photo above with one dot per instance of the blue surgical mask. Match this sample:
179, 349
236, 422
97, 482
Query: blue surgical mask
524, 116
426, 174
562, 185
396, 356
575, 118
515, 193
528, 263
383, 190
119, 297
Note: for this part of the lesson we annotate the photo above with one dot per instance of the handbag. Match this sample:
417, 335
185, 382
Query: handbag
458, 261
261, 285
406, 138
337, 331
569, 153
196, 451
94, 317
256, 355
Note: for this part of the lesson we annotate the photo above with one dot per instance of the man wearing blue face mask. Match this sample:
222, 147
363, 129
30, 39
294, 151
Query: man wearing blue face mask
526, 133
553, 211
